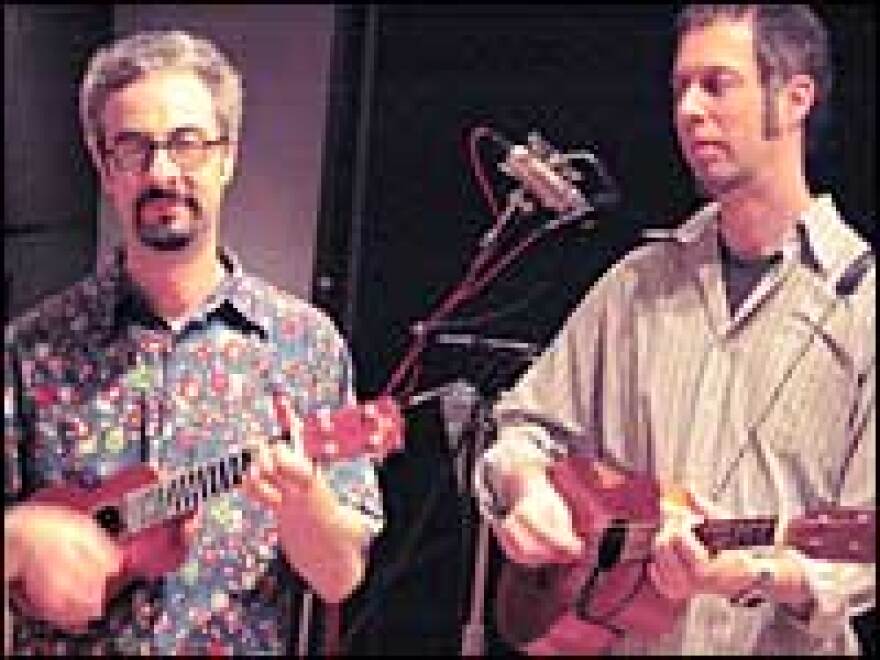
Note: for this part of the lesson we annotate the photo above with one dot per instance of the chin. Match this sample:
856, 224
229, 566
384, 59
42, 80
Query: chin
717, 185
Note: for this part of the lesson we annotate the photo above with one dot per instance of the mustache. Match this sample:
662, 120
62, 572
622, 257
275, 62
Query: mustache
155, 193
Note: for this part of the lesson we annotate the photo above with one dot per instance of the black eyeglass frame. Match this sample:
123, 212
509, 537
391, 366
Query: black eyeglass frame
141, 159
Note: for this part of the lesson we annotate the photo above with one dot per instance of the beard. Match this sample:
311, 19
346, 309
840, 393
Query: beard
713, 187
714, 179
171, 231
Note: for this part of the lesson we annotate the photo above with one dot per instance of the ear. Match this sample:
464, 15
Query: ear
800, 96
97, 160
229, 160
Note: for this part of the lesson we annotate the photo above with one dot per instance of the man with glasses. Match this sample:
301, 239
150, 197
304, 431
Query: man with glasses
171, 355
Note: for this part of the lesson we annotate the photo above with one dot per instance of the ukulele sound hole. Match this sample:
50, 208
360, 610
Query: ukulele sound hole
110, 520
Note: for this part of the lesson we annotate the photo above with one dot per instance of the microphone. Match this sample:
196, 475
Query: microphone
537, 175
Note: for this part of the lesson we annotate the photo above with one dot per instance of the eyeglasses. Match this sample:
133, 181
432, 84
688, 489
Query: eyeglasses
187, 147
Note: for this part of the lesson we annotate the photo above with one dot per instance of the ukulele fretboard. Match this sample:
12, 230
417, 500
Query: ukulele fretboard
736, 533
184, 491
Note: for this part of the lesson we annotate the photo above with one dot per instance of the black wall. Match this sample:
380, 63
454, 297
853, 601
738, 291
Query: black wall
402, 213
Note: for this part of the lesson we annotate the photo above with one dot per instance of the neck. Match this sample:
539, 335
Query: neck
756, 219
175, 285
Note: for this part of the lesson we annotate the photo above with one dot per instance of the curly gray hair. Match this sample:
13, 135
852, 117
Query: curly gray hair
122, 62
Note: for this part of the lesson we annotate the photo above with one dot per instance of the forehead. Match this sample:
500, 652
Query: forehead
723, 44
159, 102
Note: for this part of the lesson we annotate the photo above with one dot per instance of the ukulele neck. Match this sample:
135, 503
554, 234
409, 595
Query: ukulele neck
185, 490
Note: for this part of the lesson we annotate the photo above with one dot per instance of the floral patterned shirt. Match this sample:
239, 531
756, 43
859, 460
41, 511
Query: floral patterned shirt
94, 382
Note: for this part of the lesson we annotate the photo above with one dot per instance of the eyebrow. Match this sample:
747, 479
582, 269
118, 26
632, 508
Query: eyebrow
132, 133
711, 75
707, 70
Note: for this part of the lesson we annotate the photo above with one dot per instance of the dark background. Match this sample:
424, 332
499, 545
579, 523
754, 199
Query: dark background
402, 214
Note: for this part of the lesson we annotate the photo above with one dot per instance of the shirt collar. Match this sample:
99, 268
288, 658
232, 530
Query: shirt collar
234, 296
826, 242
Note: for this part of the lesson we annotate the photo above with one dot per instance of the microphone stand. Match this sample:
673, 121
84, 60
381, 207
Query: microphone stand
484, 268
473, 637
465, 409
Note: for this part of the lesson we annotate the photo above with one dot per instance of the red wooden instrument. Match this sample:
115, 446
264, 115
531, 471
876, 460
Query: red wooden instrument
145, 513
583, 607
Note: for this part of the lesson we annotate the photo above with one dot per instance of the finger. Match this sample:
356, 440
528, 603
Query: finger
541, 545
259, 482
559, 539
521, 548
89, 547
293, 466
667, 570
265, 462
79, 611
192, 523
68, 599
290, 423
706, 508
665, 580
95, 551
694, 558
688, 552
546, 517
262, 462
673, 574
261, 490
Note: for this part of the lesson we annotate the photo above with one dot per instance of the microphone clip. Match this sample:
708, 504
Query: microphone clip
548, 176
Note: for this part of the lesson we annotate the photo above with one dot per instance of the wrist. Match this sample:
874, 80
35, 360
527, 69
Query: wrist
790, 585
778, 580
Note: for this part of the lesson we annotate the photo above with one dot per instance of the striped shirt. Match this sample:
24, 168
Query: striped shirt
767, 411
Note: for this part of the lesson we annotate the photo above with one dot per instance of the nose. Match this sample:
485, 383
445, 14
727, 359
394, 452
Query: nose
160, 164
690, 105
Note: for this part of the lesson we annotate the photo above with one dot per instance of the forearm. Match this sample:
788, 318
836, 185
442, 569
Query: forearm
835, 592
11, 570
10, 550
324, 542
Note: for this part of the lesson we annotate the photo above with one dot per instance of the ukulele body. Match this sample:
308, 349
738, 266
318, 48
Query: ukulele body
537, 608
147, 553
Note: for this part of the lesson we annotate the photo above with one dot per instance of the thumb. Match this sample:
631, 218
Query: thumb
191, 524
706, 508
290, 423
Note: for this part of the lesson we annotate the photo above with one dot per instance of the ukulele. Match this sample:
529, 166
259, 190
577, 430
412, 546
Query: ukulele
608, 591
144, 514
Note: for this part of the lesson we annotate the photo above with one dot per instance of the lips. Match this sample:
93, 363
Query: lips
698, 145
707, 149
159, 205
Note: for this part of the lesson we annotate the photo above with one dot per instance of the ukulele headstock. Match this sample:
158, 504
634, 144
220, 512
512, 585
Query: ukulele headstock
838, 534
374, 428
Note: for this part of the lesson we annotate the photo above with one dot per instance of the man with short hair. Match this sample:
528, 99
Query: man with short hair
735, 357
172, 355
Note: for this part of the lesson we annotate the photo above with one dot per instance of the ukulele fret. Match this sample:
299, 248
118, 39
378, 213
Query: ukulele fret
184, 491
736, 533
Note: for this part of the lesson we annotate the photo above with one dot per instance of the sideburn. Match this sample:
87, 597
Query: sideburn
770, 115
